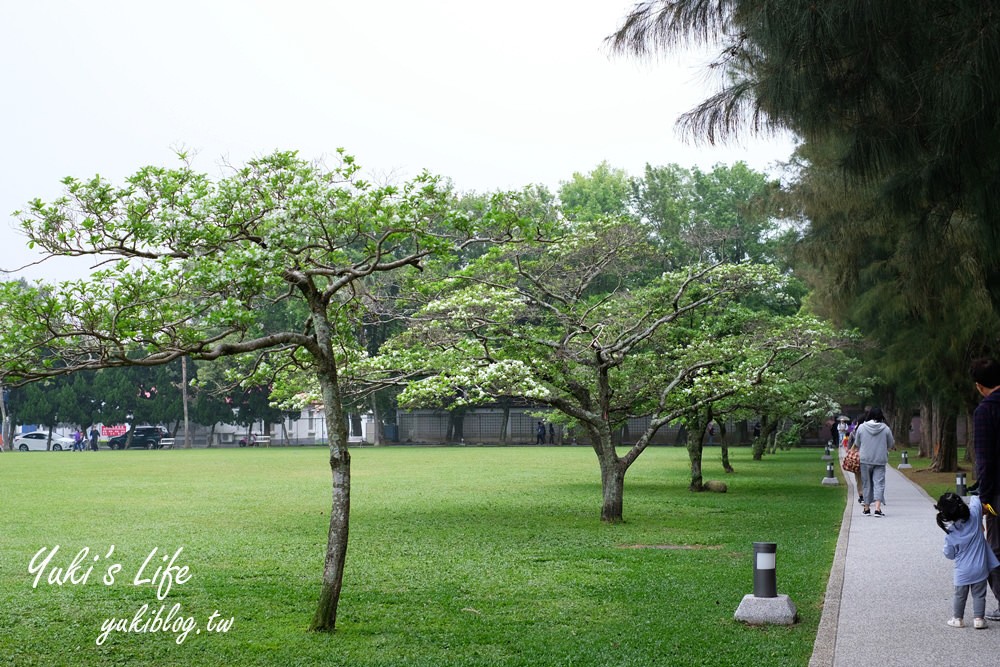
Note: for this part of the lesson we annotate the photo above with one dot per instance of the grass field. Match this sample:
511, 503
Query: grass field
477, 556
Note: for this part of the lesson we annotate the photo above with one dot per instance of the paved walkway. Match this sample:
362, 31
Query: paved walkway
890, 591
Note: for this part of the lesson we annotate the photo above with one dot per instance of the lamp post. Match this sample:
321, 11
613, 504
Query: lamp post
765, 605
765, 584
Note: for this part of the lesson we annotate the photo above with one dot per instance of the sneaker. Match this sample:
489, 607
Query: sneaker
861, 500
956, 623
993, 615
879, 513
979, 623
866, 511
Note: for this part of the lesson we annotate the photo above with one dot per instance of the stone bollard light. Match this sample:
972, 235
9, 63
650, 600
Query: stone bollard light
906, 461
830, 480
765, 580
826, 454
765, 605
960, 488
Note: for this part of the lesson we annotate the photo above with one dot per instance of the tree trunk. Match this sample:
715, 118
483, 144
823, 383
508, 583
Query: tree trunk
949, 442
695, 447
456, 426
5, 439
340, 511
725, 458
946, 454
891, 412
130, 425
184, 402
505, 422
926, 429
900, 420
760, 442
694, 453
612, 484
969, 450
724, 446
376, 434
936, 431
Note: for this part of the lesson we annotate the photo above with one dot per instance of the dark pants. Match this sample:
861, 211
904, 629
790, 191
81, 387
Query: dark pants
993, 539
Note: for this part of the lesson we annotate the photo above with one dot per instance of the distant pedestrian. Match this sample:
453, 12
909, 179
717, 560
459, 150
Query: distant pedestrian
874, 440
986, 441
552, 433
711, 432
77, 440
965, 544
851, 443
94, 437
540, 434
756, 430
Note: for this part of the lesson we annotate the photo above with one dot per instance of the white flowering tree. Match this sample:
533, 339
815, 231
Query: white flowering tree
183, 263
580, 326
801, 362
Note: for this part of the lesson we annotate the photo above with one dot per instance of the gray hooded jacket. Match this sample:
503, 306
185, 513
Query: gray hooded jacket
874, 440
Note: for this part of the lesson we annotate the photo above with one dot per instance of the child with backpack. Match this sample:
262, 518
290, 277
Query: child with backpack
965, 544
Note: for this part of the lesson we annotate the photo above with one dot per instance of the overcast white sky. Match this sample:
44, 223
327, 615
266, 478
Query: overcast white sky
491, 95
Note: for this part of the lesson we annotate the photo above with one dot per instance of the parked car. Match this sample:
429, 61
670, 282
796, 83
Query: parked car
145, 437
37, 441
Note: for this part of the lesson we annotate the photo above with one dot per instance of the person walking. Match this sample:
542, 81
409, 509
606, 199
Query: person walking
540, 434
986, 441
974, 560
94, 437
841, 429
850, 443
874, 440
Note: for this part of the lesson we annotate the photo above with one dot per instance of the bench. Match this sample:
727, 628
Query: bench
167, 443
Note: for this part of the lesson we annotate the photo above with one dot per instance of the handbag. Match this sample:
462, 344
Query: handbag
852, 462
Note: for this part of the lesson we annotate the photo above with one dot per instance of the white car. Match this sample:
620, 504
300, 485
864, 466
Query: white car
38, 441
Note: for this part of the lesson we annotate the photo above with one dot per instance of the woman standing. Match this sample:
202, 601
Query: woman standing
874, 440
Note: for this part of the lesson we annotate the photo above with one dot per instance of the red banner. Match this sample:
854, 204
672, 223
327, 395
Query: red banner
112, 431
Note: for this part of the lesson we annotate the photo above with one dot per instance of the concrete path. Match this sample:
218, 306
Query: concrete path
890, 591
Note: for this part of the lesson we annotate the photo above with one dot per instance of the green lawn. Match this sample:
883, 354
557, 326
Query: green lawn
458, 556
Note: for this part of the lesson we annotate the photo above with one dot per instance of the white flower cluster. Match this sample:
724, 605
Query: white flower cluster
478, 303
470, 385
